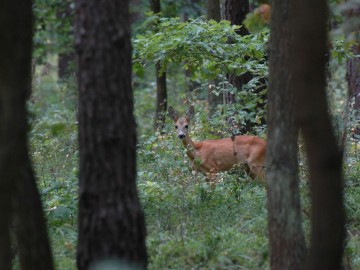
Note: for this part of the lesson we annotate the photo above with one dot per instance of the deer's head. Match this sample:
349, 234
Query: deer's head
181, 123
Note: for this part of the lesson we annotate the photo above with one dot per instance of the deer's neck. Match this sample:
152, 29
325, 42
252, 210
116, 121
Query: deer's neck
190, 147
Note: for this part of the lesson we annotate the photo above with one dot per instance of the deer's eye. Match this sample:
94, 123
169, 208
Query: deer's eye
176, 127
186, 126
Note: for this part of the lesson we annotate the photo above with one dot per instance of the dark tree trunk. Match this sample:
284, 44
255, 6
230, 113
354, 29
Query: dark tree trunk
214, 13
18, 187
30, 224
64, 64
235, 12
161, 91
287, 242
353, 78
323, 154
213, 10
111, 222
66, 59
161, 99
353, 69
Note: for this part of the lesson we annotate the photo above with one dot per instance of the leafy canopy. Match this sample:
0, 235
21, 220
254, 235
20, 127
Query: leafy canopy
205, 48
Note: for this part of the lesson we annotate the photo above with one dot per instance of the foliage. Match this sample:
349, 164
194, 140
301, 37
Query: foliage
53, 28
205, 48
190, 225
258, 19
53, 137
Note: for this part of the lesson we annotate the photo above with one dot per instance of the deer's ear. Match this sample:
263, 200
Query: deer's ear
190, 112
173, 114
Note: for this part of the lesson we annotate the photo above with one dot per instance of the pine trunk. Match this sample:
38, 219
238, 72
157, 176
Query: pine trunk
213, 10
65, 59
287, 242
214, 13
235, 12
18, 189
161, 91
111, 222
323, 154
353, 70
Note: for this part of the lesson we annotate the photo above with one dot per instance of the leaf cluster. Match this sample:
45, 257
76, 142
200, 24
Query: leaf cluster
205, 48
53, 27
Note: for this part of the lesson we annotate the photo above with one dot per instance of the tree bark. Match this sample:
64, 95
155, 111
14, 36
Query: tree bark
213, 10
214, 13
18, 188
287, 242
64, 63
323, 154
353, 78
111, 222
161, 99
353, 69
235, 12
161, 91
30, 224
65, 59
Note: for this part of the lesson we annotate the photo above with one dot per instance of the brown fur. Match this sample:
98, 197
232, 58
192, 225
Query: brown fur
213, 156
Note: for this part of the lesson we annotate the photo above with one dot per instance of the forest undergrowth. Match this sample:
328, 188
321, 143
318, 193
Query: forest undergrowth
189, 224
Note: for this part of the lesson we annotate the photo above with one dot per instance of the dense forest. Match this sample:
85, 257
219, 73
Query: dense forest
188, 134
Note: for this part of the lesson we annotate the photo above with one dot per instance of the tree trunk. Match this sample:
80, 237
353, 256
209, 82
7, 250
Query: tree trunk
30, 224
111, 222
287, 242
214, 13
213, 10
17, 180
161, 91
323, 154
235, 12
353, 69
65, 59
353, 78
64, 62
161, 99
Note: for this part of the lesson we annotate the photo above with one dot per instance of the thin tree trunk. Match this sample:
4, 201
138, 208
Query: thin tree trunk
214, 13
161, 99
65, 59
323, 154
353, 69
353, 78
111, 222
287, 242
17, 179
64, 62
161, 91
235, 12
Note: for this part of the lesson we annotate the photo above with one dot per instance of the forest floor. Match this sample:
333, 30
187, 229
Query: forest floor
189, 224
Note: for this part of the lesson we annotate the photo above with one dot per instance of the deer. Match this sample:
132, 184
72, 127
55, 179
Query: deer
213, 156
